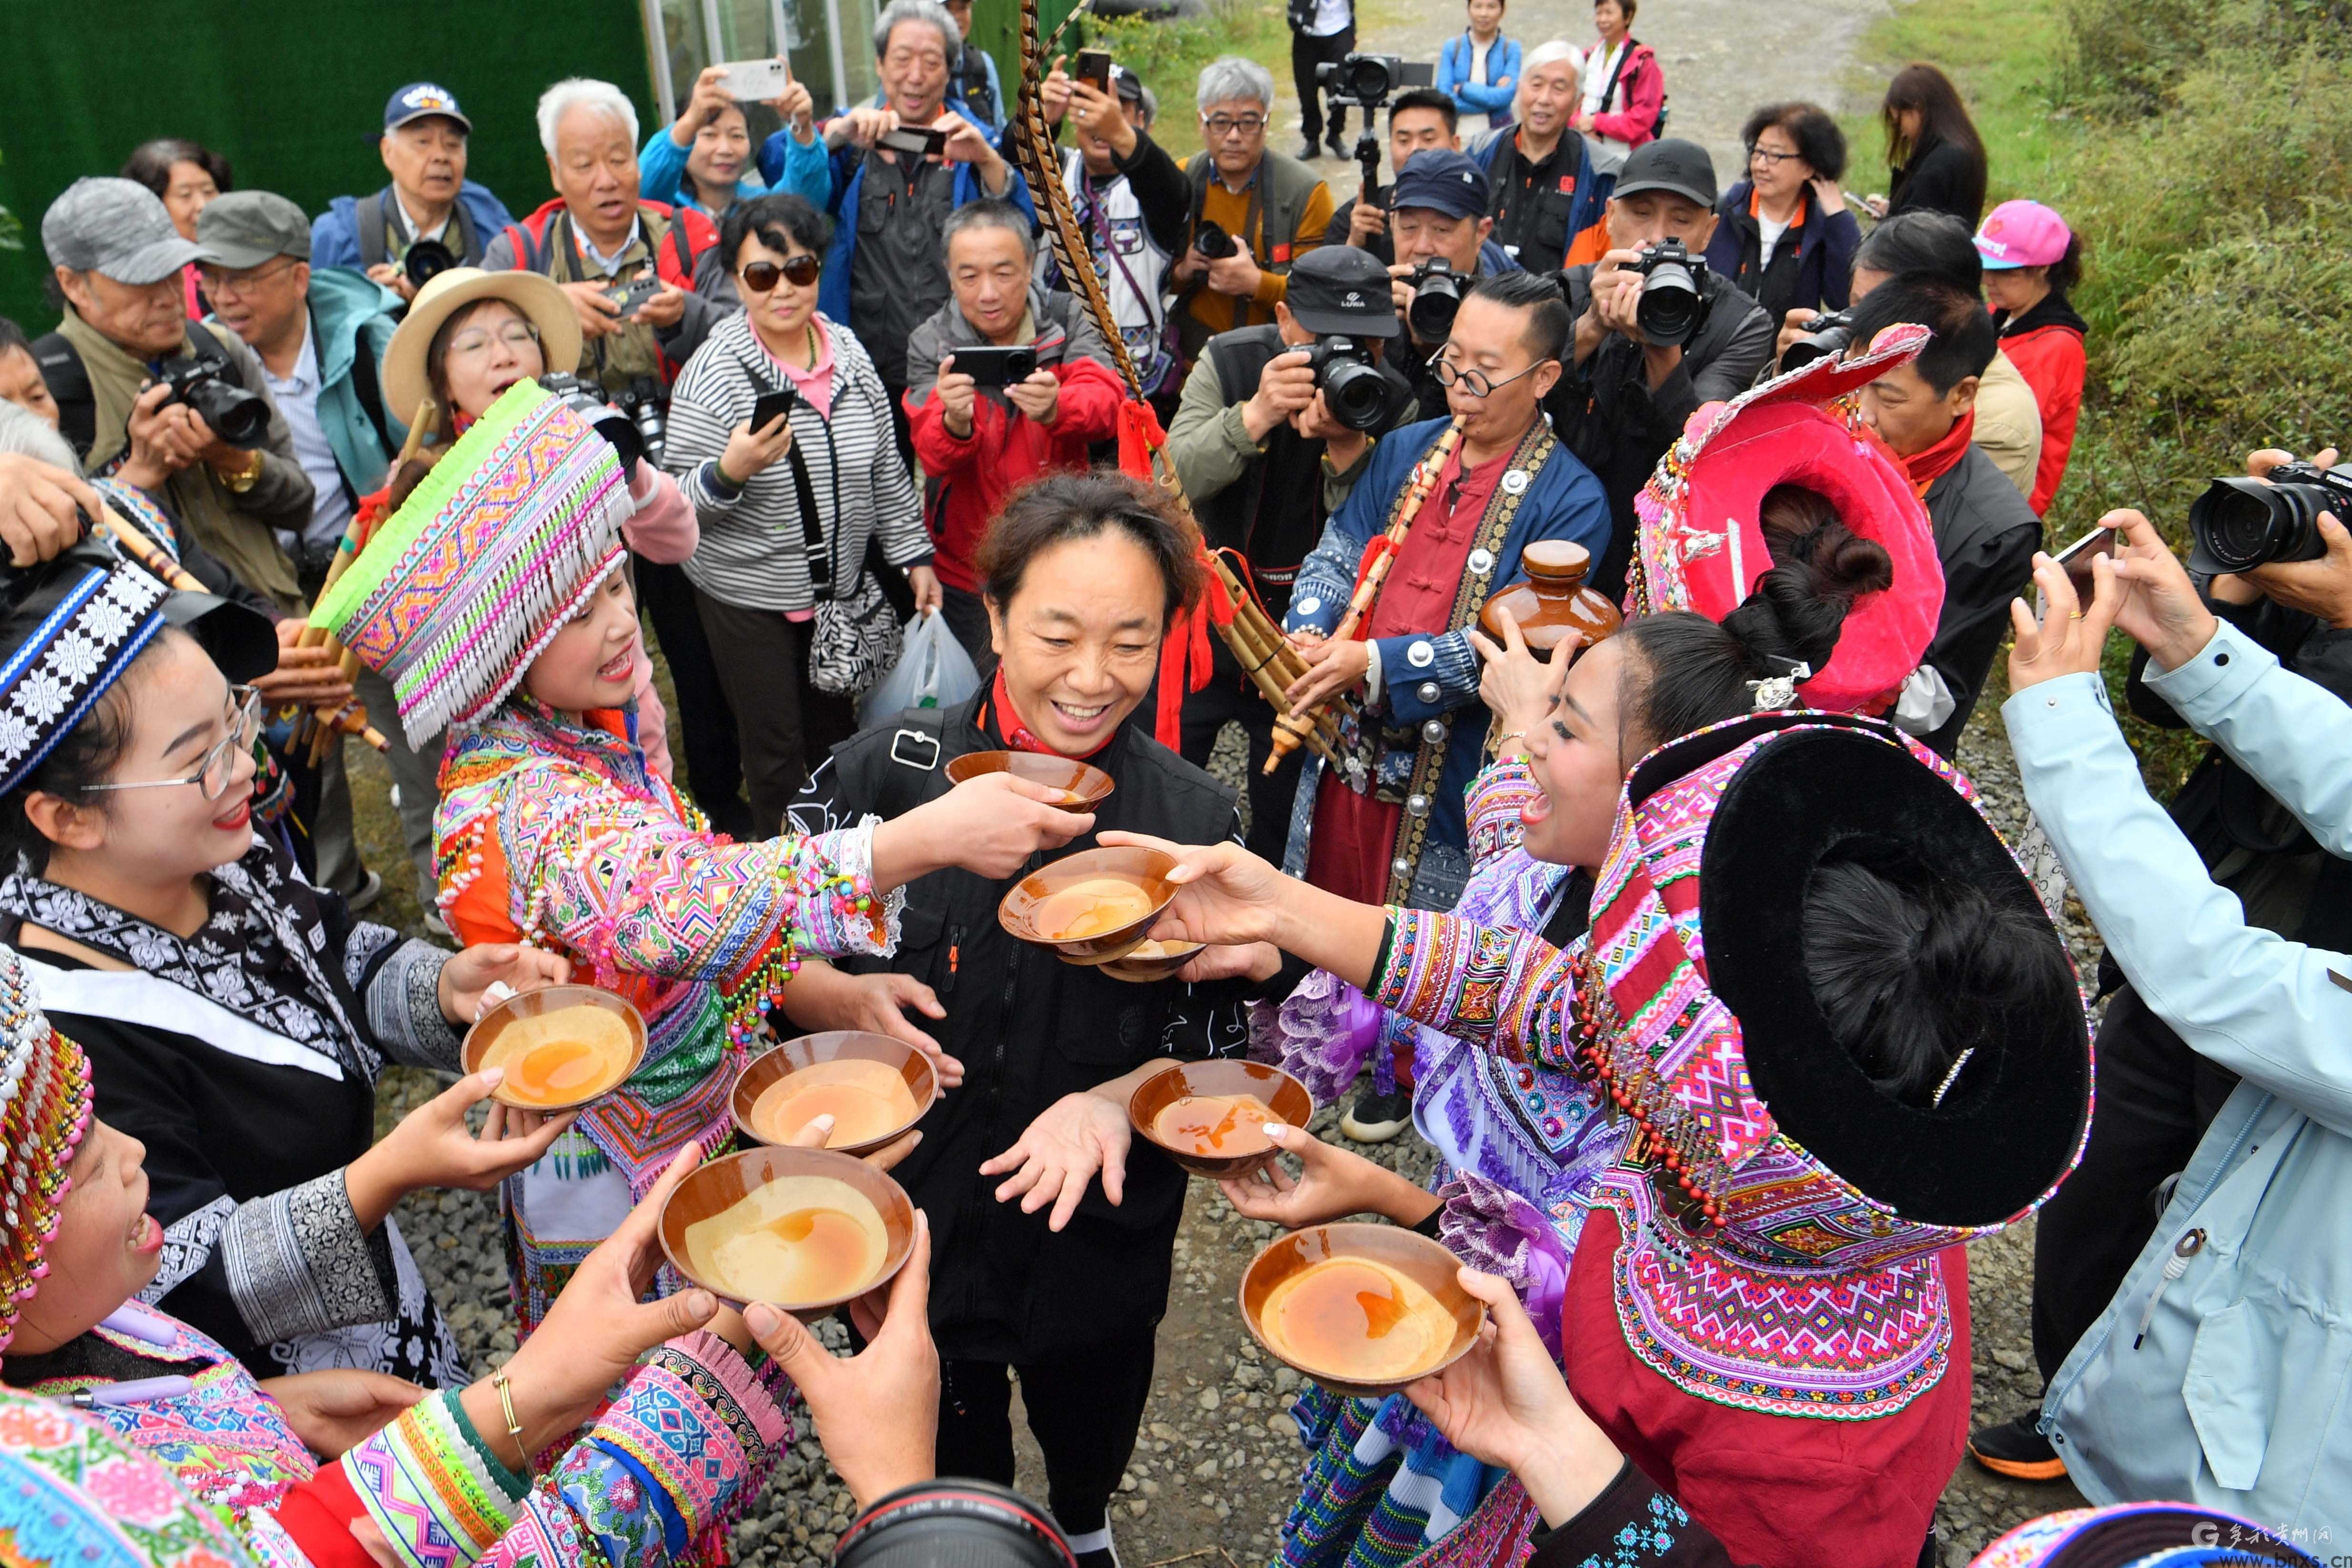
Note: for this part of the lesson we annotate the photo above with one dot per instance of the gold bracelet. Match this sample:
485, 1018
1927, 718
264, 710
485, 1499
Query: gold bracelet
514, 1427
245, 479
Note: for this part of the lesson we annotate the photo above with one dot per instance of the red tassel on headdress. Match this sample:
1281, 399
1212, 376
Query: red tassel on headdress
1187, 642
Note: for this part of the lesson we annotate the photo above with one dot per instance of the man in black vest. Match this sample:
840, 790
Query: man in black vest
1263, 464
429, 201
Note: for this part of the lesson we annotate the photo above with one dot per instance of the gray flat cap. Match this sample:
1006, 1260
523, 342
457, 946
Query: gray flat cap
118, 227
245, 228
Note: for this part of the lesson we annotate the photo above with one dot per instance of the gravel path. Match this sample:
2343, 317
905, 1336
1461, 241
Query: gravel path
1215, 1467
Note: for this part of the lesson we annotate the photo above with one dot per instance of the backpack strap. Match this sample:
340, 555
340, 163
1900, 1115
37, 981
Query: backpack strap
204, 347
368, 214
915, 752
69, 383
685, 251
366, 388
525, 245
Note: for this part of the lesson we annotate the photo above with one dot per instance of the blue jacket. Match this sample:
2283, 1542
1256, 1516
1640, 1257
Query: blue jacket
2226, 1383
335, 235
1825, 248
1564, 501
805, 171
351, 315
1453, 62
848, 176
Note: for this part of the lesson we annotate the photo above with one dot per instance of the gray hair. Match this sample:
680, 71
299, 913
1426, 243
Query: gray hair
930, 12
990, 212
583, 93
1229, 77
1148, 102
23, 431
1556, 49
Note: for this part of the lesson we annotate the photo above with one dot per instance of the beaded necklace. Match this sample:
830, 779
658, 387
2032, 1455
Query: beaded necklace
1686, 1176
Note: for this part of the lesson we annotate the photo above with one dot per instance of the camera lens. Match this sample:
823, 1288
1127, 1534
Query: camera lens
1211, 240
1830, 337
1356, 394
2242, 523
588, 402
1431, 311
1668, 310
237, 416
427, 259
1368, 80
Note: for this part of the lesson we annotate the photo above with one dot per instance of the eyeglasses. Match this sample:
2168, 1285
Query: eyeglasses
219, 765
1768, 158
761, 277
218, 282
516, 335
1220, 126
1476, 382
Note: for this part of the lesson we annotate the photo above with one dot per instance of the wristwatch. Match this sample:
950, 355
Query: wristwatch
243, 479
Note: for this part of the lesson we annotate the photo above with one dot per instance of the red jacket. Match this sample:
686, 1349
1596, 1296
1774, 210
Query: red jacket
1642, 92
1778, 1490
689, 233
968, 479
2051, 358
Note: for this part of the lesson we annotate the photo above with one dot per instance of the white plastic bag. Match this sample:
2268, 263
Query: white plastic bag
932, 671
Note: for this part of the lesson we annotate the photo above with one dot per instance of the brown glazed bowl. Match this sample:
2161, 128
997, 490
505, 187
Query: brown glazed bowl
1146, 868
1283, 1094
499, 1018
1416, 1257
762, 1072
1089, 784
724, 1181
1150, 960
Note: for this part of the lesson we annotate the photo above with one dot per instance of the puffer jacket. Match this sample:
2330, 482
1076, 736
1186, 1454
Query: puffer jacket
2220, 1372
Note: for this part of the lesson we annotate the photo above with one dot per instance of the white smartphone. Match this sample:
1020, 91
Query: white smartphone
755, 81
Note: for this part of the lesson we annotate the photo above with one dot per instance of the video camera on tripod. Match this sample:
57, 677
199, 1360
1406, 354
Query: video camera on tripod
1367, 81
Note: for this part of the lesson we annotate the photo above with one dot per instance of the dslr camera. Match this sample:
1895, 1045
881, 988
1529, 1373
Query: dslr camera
2239, 523
426, 260
1209, 239
237, 416
588, 401
1436, 296
1353, 389
647, 405
1367, 80
1826, 337
1672, 308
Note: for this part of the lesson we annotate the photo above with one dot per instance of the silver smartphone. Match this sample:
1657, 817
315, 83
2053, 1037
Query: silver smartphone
755, 81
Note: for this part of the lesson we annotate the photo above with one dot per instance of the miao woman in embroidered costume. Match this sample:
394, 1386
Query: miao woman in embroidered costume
495, 603
1832, 1040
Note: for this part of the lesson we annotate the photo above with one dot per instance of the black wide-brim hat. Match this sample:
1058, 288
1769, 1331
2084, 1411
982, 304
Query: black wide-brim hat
1782, 1214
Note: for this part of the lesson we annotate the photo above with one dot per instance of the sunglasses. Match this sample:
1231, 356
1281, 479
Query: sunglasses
762, 276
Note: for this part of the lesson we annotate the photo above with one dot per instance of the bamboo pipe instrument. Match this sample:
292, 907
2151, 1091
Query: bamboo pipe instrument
1289, 730
351, 718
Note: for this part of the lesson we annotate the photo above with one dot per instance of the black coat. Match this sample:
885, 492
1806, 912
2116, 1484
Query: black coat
1029, 1030
1941, 177
1985, 539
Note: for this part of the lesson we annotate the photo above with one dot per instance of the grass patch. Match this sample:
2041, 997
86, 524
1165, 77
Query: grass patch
2202, 149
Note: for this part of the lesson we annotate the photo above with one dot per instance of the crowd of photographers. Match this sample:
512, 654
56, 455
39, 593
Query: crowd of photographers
256, 376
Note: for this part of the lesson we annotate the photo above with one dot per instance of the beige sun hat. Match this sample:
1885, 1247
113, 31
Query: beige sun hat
542, 303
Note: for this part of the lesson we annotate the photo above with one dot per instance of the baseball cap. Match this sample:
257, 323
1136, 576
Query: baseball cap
1441, 179
2022, 234
115, 226
1340, 288
245, 228
1680, 168
1125, 84
420, 98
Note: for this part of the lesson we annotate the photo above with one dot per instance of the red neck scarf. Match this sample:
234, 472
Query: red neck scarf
1017, 731
1929, 465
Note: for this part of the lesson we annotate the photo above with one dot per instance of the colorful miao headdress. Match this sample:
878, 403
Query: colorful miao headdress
1699, 545
1781, 1214
45, 1101
501, 544
2139, 1535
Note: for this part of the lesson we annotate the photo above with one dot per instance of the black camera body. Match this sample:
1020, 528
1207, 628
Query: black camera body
646, 402
1826, 337
596, 411
427, 259
237, 416
1437, 292
1672, 306
2239, 523
1209, 239
1367, 80
989, 365
1353, 389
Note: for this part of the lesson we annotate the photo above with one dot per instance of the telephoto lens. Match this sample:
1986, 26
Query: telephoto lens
1671, 306
1826, 337
237, 416
2239, 523
1357, 395
1436, 296
950, 1523
1209, 239
427, 259
589, 402
644, 402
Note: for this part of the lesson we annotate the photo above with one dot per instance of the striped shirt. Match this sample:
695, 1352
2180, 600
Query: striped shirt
754, 552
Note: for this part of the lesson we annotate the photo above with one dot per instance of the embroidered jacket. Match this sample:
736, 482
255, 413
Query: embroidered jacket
657, 1478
